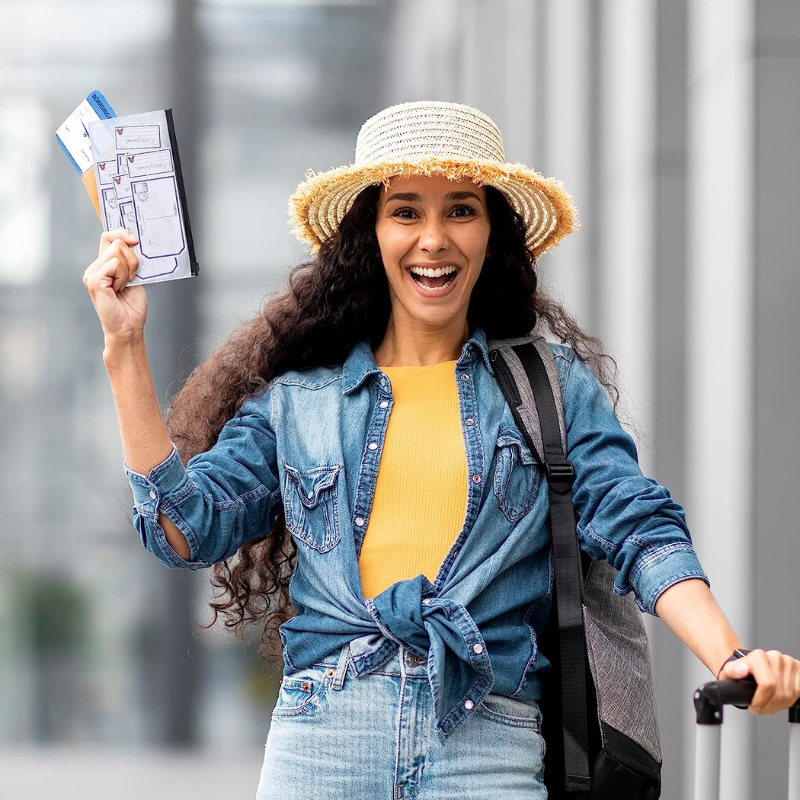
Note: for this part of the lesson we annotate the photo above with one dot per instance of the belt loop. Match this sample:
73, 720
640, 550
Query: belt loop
341, 667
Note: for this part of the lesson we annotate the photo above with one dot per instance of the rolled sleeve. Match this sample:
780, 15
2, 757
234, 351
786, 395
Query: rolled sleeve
661, 567
220, 500
152, 494
163, 482
626, 518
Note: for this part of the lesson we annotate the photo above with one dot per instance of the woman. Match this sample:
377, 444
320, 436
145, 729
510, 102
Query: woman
360, 413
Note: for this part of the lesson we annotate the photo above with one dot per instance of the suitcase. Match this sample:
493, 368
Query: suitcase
709, 700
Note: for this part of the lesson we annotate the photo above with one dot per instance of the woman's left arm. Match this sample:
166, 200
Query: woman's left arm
692, 613
633, 523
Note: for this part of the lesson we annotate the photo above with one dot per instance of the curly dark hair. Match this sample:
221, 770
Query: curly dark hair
328, 304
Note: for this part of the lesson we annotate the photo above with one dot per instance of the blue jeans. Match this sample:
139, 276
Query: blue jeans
374, 738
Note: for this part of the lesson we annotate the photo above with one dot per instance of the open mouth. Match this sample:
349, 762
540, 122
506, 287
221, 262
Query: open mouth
434, 280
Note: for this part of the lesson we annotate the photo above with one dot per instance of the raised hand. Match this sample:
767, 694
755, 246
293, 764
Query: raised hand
122, 309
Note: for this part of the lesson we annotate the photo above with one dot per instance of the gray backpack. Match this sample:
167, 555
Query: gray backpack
598, 702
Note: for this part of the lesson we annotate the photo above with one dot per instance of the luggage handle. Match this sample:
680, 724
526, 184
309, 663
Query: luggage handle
710, 698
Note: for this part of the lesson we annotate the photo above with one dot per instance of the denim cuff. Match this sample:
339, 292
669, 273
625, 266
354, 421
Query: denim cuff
659, 568
164, 483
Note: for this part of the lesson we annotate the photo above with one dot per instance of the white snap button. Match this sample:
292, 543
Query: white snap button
152, 495
384, 404
476, 478
426, 601
469, 705
372, 446
465, 377
360, 522
477, 648
470, 421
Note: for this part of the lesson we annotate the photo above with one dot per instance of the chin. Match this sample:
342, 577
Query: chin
435, 318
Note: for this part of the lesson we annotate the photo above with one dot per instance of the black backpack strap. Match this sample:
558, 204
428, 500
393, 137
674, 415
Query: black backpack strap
568, 571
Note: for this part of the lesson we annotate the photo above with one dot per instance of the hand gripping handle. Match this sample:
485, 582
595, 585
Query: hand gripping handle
711, 697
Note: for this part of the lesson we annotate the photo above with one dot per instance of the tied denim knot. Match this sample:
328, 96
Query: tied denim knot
459, 671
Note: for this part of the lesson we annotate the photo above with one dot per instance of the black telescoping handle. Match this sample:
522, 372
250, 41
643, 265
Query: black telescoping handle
711, 697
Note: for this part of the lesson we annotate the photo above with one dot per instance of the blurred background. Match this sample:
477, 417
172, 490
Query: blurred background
673, 123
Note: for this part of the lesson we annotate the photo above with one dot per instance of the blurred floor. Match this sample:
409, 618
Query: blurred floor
90, 774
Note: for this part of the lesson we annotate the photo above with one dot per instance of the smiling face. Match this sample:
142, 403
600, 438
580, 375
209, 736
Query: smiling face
433, 234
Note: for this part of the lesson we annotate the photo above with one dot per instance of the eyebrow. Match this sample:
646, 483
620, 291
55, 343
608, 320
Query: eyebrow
413, 197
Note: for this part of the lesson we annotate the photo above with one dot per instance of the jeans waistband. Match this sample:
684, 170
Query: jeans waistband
403, 663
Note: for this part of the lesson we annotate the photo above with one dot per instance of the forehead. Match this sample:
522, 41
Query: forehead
429, 187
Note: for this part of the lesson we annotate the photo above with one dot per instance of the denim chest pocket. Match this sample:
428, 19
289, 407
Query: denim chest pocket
516, 476
311, 506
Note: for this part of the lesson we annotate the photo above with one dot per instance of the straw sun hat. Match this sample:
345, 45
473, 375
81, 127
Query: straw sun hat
431, 138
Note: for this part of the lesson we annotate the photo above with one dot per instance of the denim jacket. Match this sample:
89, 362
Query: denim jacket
310, 445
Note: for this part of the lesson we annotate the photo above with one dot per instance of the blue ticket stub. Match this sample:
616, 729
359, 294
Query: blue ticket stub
72, 134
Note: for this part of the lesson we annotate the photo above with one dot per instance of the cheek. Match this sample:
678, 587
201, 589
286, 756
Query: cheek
481, 241
474, 240
394, 241
391, 237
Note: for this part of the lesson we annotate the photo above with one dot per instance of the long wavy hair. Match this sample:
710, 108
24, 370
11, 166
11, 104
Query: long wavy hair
328, 304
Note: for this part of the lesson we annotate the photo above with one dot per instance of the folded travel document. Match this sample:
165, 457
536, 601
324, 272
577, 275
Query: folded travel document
140, 187
132, 172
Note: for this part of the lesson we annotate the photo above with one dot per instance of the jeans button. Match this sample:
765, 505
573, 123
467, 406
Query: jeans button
413, 660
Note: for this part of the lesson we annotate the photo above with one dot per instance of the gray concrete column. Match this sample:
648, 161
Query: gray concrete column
669, 423
172, 333
776, 380
520, 85
626, 199
720, 335
568, 131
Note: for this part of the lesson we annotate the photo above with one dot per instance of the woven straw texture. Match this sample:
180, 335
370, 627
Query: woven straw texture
437, 139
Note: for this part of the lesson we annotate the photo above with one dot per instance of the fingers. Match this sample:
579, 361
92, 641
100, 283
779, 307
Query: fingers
777, 676
119, 247
761, 669
128, 258
111, 272
121, 234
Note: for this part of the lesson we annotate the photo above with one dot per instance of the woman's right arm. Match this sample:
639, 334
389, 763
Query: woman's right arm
145, 441
122, 311
198, 515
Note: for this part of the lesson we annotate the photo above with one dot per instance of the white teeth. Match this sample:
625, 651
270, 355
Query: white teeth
433, 273
433, 289
436, 289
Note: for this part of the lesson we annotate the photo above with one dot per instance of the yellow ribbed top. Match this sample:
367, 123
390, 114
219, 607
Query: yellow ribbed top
421, 491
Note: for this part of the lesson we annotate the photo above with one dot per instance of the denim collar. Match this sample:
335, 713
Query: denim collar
360, 363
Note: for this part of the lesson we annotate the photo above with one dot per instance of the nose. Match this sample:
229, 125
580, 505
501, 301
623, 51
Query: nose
433, 237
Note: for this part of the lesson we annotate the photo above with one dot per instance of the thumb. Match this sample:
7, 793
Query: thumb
735, 670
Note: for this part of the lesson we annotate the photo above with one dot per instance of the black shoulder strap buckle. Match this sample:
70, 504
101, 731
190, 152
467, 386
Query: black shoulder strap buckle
560, 476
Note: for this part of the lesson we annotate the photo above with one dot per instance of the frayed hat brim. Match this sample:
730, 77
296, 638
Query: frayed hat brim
320, 202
